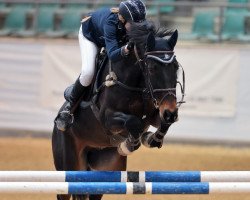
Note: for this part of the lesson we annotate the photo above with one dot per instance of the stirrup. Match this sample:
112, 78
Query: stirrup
64, 120
69, 114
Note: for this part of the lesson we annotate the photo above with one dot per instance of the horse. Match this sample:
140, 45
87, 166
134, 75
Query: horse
134, 93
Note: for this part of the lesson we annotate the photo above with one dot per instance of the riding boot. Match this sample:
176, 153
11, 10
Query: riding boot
65, 118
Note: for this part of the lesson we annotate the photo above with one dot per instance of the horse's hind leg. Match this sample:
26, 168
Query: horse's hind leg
66, 156
106, 159
60, 147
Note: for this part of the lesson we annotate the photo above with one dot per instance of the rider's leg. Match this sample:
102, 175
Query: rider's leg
88, 55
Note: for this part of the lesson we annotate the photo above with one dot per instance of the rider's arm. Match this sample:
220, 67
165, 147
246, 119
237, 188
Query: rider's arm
110, 35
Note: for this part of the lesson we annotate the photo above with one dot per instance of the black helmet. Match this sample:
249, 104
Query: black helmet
133, 10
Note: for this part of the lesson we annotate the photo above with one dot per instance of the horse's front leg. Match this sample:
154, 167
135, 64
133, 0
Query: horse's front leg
151, 140
118, 122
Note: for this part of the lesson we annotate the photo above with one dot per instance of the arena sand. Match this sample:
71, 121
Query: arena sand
35, 154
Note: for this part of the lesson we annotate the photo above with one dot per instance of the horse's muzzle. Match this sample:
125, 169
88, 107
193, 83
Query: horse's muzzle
170, 117
169, 110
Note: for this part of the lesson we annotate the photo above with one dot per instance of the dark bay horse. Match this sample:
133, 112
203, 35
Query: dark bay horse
136, 92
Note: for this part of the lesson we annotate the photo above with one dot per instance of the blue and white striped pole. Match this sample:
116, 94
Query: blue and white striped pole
123, 188
124, 176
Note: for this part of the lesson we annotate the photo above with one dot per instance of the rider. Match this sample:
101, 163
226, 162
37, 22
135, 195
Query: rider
102, 28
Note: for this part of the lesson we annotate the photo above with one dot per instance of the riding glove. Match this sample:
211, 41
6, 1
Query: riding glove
126, 49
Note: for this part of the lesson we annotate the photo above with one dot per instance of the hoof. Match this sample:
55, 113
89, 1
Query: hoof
150, 140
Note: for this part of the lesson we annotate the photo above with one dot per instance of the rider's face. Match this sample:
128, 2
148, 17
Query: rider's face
126, 24
121, 18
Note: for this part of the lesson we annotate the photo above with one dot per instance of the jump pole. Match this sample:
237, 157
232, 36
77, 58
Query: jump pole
124, 176
124, 188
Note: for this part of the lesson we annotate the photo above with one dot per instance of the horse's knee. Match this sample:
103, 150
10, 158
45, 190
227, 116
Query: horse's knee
119, 120
115, 121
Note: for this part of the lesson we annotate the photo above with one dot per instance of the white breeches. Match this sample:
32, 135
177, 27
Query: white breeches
88, 54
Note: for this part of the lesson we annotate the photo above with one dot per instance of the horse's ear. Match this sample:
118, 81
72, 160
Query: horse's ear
150, 42
173, 39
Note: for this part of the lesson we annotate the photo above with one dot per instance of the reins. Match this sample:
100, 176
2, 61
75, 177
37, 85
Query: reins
142, 64
111, 79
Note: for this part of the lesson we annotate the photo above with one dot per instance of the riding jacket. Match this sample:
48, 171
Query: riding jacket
104, 28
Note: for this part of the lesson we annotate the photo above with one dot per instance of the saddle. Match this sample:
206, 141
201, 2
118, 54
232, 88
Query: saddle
101, 62
91, 95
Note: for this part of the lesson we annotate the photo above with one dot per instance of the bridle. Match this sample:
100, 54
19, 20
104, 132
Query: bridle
111, 78
168, 91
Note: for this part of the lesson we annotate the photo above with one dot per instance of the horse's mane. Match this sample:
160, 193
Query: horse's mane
138, 32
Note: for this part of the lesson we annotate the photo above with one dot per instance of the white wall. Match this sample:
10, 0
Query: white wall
22, 98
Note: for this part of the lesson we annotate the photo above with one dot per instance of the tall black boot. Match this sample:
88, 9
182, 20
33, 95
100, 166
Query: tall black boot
65, 118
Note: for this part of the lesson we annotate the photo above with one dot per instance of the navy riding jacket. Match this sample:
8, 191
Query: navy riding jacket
105, 30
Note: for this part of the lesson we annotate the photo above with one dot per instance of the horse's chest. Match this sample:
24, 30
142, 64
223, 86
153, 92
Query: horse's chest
136, 107
128, 105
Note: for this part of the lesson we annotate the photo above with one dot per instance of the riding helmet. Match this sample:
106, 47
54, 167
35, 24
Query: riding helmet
133, 10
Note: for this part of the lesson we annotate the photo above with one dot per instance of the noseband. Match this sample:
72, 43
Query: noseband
168, 91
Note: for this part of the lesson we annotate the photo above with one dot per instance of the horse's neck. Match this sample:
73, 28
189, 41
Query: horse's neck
126, 69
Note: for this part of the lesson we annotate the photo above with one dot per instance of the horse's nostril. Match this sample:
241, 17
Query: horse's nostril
170, 117
166, 115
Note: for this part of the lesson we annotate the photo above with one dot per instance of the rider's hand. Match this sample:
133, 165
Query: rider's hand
127, 48
124, 51
130, 46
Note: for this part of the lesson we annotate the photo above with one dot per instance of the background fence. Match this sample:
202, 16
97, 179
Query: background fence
213, 49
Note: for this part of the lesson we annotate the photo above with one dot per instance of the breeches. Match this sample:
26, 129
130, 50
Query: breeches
88, 54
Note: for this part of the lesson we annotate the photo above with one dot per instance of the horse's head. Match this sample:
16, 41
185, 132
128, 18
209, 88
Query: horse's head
162, 66
158, 62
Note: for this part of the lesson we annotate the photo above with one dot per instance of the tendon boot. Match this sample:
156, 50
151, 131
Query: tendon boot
129, 146
72, 94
